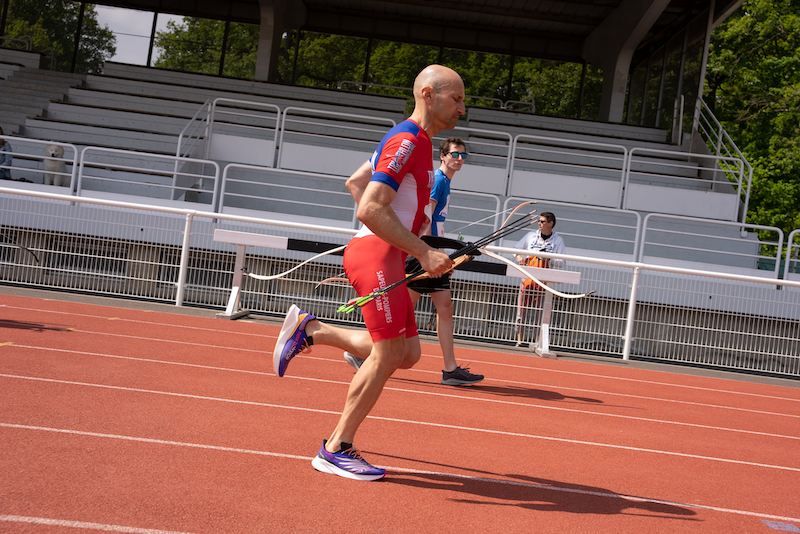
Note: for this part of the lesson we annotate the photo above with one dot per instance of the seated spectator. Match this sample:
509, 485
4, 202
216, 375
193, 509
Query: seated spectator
546, 240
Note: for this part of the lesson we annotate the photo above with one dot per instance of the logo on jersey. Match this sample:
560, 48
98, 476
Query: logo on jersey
402, 155
382, 302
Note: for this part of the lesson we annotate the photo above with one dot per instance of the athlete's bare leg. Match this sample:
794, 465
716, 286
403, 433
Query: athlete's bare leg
444, 327
443, 301
385, 358
354, 341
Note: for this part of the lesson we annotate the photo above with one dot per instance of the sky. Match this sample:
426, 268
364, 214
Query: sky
132, 29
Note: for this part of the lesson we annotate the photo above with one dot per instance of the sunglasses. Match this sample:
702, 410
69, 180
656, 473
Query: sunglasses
456, 154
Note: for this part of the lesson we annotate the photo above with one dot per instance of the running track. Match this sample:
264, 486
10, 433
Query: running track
122, 420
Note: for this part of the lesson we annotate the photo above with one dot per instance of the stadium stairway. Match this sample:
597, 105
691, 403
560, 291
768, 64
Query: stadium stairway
27, 92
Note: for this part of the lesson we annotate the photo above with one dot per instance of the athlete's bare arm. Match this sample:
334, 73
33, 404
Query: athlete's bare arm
358, 181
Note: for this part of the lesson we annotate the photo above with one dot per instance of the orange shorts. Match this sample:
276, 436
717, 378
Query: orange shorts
370, 264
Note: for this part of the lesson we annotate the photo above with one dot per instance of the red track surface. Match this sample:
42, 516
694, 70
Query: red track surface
131, 421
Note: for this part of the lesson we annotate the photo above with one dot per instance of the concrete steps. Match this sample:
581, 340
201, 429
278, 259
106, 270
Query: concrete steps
28, 93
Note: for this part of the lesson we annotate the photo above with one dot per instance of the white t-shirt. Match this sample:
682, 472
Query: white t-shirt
534, 242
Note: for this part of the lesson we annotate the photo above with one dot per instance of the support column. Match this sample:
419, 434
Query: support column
277, 16
611, 47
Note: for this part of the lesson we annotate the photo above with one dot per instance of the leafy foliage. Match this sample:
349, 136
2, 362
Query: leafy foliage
195, 45
753, 87
52, 25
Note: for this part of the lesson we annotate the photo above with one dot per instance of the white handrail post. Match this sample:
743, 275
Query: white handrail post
626, 349
184, 265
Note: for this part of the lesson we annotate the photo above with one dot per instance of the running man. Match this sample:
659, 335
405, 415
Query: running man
392, 208
453, 153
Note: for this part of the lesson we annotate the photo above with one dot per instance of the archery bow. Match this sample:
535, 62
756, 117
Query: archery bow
526, 273
459, 256
527, 203
537, 281
512, 210
281, 275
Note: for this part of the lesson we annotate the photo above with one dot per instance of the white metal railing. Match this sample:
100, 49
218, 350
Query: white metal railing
492, 145
489, 161
679, 247
27, 40
246, 123
480, 212
32, 162
287, 194
791, 269
721, 144
640, 310
597, 230
569, 157
686, 171
195, 131
155, 177
604, 172
326, 132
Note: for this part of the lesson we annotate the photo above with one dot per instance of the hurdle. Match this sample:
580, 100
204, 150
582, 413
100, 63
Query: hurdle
546, 276
242, 240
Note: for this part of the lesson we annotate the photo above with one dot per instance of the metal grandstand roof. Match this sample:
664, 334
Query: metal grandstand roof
554, 29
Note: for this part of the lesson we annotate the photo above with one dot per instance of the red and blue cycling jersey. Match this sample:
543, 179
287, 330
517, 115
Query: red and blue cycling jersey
404, 162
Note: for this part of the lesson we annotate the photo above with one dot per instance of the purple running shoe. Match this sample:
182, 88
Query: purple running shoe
347, 463
292, 338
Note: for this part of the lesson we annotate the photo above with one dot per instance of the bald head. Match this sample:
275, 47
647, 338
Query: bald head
436, 77
438, 99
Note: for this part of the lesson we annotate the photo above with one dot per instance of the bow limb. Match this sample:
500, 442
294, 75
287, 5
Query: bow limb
339, 278
513, 211
527, 203
281, 275
529, 275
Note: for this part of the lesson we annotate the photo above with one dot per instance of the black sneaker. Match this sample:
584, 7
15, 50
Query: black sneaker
460, 377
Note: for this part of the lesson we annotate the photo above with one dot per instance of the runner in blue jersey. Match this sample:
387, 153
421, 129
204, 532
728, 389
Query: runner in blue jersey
453, 154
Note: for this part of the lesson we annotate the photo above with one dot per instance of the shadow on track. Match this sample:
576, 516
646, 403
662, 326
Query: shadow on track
542, 495
4, 323
508, 391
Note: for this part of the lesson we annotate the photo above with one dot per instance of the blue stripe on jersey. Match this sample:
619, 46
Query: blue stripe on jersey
406, 126
384, 178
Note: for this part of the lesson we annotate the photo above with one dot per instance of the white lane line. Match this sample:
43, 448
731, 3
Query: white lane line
654, 383
574, 373
165, 362
460, 396
84, 525
547, 487
137, 321
438, 425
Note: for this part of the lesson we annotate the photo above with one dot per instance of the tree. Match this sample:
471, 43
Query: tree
324, 60
195, 45
555, 87
52, 24
753, 87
